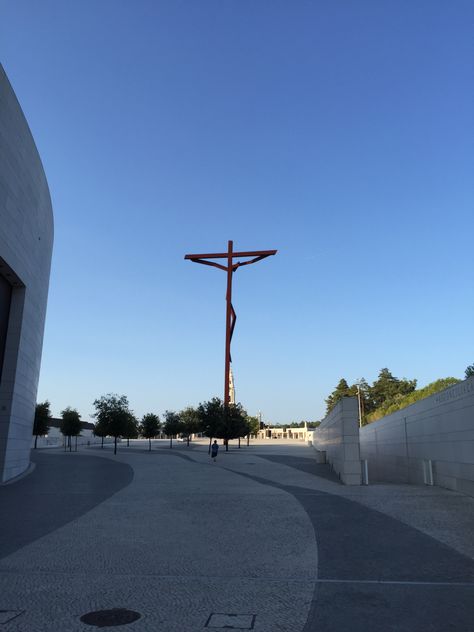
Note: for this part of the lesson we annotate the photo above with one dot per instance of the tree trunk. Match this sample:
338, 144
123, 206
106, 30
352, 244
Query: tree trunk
115, 445
248, 440
69, 443
171, 442
210, 442
239, 442
226, 442
36, 440
102, 446
75, 447
188, 441
149, 443
128, 442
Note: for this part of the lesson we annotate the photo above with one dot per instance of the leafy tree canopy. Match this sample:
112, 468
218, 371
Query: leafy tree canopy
233, 423
70, 422
401, 401
211, 414
387, 387
42, 419
191, 421
100, 429
131, 427
114, 416
469, 372
253, 425
173, 425
150, 426
341, 390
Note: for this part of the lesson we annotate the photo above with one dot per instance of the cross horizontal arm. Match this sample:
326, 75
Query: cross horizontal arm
246, 263
210, 263
224, 255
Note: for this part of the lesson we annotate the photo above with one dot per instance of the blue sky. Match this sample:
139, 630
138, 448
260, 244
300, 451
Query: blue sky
338, 132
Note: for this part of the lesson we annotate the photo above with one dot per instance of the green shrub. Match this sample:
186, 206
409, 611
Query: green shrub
402, 401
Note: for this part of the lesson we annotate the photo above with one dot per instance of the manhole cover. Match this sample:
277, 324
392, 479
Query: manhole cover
110, 618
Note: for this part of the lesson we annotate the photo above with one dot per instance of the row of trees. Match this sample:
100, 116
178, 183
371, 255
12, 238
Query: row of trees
387, 393
70, 422
385, 387
212, 418
114, 418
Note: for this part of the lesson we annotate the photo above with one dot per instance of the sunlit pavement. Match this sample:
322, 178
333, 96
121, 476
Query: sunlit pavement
263, 539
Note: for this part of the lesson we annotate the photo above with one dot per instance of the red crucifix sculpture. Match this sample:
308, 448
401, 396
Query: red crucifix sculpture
230, 268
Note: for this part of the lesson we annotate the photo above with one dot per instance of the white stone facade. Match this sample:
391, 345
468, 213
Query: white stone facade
26, 241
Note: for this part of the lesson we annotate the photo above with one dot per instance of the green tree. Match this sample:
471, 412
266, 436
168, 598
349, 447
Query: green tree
191, 422
150, 427
341, 390
233, 424
113, 413
211, 414
70, 425
253, 426
42, 419
469, 372
131, 429
100, 430
388, 388
173, 425
401, 401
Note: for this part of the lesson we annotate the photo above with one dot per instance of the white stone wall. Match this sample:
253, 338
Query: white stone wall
26, 240
338, 436
439, 428
55, 438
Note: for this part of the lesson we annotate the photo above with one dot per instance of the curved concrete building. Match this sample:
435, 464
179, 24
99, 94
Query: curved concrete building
26, 242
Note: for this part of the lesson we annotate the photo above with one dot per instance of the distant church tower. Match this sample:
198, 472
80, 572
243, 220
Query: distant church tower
231, 387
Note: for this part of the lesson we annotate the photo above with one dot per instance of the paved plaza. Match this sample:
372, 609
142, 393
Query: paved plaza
264, 539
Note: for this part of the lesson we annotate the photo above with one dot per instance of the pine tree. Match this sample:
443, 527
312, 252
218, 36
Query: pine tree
341, 390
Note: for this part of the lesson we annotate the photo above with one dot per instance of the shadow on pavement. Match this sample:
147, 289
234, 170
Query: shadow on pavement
60, 489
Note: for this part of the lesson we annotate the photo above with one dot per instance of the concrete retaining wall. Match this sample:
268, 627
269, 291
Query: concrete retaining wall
338, 436
439, 429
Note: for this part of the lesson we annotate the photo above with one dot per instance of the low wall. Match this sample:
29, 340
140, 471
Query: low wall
54, 438
338, 436
439, 429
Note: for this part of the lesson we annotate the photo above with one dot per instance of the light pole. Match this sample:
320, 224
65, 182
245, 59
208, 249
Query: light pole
359, 399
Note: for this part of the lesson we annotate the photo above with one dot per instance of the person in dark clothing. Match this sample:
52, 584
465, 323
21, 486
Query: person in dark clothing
214, 450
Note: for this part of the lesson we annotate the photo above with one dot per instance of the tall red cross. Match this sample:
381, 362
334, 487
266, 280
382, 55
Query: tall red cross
230, 268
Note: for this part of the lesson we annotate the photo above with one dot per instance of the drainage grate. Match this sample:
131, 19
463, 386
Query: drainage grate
226, 621
9, 615
110, 618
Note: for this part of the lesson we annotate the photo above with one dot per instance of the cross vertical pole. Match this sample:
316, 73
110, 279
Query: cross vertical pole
228, 321
230, 268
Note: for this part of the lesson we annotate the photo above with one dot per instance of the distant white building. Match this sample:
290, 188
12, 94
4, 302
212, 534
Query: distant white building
282, 432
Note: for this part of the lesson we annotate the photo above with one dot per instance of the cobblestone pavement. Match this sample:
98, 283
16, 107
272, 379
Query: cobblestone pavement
263, 539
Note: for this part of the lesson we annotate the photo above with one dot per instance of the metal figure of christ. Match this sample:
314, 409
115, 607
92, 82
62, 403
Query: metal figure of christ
230, 268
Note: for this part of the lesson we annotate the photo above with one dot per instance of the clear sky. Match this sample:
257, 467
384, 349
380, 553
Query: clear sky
338, 132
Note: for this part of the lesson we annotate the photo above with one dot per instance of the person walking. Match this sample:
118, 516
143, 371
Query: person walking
214, 450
